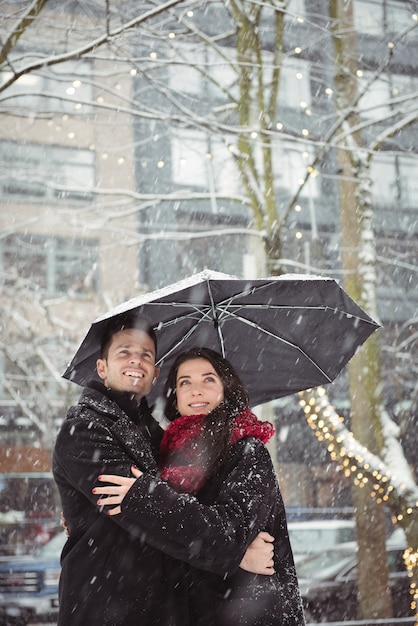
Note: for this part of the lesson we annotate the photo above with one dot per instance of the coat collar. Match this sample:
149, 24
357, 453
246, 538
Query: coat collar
139, 439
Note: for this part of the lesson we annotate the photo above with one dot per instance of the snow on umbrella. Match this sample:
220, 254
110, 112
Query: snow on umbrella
282, 334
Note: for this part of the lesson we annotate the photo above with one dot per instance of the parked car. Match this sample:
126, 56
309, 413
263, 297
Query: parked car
328, 583
311, 536
29, 585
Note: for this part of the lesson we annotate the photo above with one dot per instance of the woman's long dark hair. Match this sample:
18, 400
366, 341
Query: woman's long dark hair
217, 425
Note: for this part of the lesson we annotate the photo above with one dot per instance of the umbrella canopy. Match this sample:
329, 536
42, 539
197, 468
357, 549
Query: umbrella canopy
282, 334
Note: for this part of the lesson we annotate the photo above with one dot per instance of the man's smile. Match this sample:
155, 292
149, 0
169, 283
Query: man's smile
134, 374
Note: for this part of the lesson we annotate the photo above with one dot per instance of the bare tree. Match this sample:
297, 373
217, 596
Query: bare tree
252, 43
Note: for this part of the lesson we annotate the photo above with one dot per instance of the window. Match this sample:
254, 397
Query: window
57, 265
64, 88
44, 171
296, 6
376, 102
368, 16
395, 180
200, 161
375, 17
211, 69
290, 167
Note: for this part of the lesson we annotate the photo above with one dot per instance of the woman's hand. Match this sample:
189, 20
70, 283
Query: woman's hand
116, 491
258, 558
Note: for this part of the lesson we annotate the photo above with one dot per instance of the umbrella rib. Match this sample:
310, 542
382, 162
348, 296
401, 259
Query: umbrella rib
226, 305
178, 343
216, 319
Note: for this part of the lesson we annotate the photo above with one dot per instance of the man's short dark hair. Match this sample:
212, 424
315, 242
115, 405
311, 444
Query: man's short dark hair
125, 321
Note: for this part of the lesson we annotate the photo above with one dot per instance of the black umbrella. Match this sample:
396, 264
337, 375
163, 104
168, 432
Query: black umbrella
282, 334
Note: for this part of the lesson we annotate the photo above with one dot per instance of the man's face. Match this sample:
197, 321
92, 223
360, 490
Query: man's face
130, 363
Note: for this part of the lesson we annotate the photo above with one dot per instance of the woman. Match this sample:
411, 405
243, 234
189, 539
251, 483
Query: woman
214, 449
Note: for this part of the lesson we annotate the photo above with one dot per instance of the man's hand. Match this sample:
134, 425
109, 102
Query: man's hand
258, 558
63, 524
116, 491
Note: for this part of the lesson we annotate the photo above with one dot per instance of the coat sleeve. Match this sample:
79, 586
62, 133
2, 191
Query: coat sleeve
211, 537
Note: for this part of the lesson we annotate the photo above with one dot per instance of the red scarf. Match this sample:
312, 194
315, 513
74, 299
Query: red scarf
186, 473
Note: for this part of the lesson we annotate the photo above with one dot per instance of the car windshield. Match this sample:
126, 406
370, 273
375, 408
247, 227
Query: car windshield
53, 548
324, 564
305, 539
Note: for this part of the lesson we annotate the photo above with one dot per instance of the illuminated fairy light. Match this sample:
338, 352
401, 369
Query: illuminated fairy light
279, 126
153, 55
326, 425
298, 50
133, 72
391, 45
353, 460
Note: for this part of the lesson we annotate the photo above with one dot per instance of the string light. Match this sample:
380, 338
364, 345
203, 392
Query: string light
354, 461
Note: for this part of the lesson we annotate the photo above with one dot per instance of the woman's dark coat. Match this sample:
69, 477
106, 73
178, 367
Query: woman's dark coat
125, 570
245, 492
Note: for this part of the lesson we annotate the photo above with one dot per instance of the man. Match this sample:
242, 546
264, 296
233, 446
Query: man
113, 572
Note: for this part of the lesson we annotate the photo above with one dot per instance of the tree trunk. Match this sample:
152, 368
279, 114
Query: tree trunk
364, 373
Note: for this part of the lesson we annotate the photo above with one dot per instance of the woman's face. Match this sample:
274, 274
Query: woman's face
198, 387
